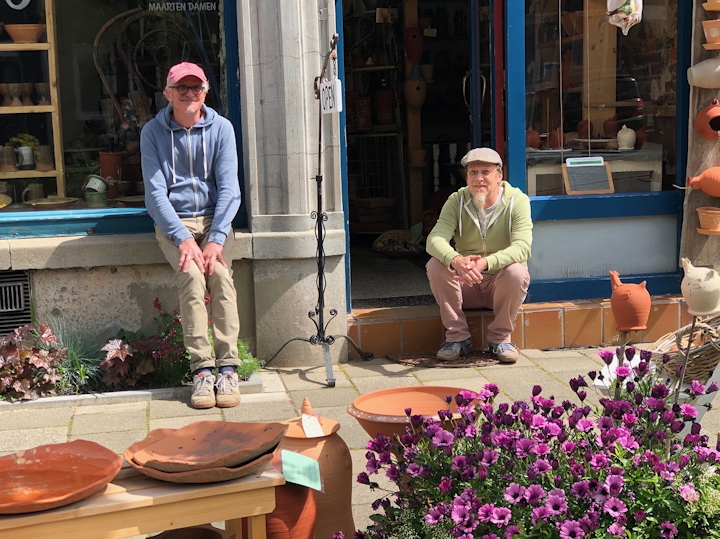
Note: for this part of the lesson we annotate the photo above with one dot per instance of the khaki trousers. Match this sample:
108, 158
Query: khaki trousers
504, 293
193, 312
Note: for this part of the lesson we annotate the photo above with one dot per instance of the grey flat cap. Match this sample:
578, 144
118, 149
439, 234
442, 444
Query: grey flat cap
485, 155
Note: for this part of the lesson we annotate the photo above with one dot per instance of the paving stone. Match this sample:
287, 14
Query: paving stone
362, 494
115, 422
268, 411
28, 419
271, 382
312, 378
258, 398
350, 430
114, 441
373, 383
444, 373
518, 383
361, 515
16, 440
383, 366
179, 422
111, 408
557, 354
569, 367
160, 409
330, 396
534, 354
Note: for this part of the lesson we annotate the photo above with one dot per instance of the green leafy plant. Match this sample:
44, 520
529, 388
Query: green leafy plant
24, 139
30, 360
128, 358
250, 364
172, 360
80, 369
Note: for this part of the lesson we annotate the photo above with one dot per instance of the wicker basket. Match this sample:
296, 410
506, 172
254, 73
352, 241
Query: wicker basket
704, 353
397, 244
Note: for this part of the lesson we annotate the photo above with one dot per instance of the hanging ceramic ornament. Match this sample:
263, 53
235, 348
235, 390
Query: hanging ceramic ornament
708, 182
415, 88
413, 43
707, 121
701, 289
630, 304
705, 74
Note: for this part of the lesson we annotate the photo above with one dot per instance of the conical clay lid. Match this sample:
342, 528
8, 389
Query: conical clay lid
295, 428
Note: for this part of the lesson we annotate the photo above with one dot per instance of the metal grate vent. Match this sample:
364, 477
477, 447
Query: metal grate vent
14, 300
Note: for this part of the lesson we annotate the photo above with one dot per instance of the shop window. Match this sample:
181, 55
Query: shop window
592, 91
110, 63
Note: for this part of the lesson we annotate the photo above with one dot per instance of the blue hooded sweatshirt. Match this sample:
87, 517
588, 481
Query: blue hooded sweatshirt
190, 173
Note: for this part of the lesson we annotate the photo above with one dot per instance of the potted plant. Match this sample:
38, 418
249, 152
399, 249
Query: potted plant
544, 468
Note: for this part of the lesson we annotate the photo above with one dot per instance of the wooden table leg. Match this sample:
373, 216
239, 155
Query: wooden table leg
256, 527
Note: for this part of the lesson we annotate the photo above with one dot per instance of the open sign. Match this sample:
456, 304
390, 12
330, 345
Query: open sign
331, 96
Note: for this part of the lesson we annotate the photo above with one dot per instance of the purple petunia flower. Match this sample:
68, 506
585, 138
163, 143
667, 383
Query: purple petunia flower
580, 489
688, 412
485, 512
614, 507
511, 531
500, 516
514, 493
490, 536
712, 388
616, 529
622, 372
434, 516
585, 425
539, 514
688, 493
606, 356
443, 439
339, 535
571, 529
614, 484
445, 485
668, 530
556, 504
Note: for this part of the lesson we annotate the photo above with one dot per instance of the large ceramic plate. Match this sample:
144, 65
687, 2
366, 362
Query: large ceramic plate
54, 475
54, 203
204, 475
210, 444
134, 200
4, 200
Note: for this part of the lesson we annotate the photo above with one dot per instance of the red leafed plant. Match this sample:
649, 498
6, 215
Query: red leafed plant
30, 359
128, 358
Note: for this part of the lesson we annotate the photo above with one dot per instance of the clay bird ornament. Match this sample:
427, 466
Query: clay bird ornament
623, 13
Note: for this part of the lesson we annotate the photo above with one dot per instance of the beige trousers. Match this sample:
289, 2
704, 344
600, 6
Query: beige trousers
193, 312
504, 293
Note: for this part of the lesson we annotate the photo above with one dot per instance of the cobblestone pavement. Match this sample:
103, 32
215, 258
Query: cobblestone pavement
119, 424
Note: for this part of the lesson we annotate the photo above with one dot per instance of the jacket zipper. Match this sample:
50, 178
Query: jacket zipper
188, 130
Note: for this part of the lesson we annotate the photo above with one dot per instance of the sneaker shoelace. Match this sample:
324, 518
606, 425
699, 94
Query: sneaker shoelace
226, 383
203, 386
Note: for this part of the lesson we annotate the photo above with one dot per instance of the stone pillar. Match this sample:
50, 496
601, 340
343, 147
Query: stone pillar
282, 45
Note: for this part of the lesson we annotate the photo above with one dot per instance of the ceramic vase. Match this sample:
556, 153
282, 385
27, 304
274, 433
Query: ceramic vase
585, 129
701, 289
334, 505
626, 138
610, 127
630, 304
707, 121
111, 165
556, 138
295, 510
413, 43
709, 218
532, 138
705, 74
708, 182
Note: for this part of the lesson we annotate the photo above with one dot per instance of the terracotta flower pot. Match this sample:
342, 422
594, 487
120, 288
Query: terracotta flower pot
111, 165
701, 289
630, 304
709, 218
610, 127
708, 182
334, 505
712, 31
532, 138
556, 138
584, 129
294, 515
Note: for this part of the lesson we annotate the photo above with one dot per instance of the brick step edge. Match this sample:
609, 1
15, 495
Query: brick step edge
253, 385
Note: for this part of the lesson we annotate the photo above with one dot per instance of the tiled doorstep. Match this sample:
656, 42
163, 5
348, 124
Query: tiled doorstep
543, 326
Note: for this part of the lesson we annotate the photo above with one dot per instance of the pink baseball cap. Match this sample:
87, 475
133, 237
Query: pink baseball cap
185, 69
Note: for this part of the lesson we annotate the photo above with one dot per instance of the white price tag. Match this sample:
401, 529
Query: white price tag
331, 96
311, 426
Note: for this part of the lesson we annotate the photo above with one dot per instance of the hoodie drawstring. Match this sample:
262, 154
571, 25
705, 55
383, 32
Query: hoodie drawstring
205, 168
172, 138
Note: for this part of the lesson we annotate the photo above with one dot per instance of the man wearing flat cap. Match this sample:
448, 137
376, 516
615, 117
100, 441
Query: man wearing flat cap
486, 265
190, 170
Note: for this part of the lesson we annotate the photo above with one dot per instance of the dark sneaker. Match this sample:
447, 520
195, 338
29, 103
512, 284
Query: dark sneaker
203, 393
228, 392
505, 352
450, 351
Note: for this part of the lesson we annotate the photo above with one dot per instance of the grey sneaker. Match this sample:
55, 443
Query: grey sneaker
505, 352
203, 393
450, 351
228, 392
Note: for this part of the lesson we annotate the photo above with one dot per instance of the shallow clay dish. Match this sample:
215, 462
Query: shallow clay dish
203, 475
54, 203
54, 475
134, 201
383, 411
209, 444
25, 33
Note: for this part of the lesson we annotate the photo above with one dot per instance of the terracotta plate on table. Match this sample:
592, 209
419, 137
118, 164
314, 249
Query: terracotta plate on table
54, 475
202, 475
54, 203
5, 200
209, 444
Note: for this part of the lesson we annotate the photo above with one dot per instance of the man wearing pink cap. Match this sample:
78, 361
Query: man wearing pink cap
485, 266
190, 170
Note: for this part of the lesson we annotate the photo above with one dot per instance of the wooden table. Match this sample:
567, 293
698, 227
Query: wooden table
134, 504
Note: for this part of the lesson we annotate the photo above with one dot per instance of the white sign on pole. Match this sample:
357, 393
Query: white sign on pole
331, 96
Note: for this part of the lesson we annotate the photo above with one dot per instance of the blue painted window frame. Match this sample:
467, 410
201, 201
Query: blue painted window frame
86, 222
547, 208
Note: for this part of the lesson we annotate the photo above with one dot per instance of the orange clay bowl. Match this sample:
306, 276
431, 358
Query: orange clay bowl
25, 33
383, 411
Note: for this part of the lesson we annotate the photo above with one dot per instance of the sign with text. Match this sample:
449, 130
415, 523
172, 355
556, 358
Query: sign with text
331, 96
301, 470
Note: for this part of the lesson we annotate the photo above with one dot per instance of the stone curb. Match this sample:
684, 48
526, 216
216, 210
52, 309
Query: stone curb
253, 385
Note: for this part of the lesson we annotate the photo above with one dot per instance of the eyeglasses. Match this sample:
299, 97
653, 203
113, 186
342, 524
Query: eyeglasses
183, 89
473, 173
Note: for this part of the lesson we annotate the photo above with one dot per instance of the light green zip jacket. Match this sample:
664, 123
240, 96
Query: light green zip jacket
508, 237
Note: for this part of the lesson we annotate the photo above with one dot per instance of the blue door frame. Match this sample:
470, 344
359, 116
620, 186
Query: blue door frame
549, 208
